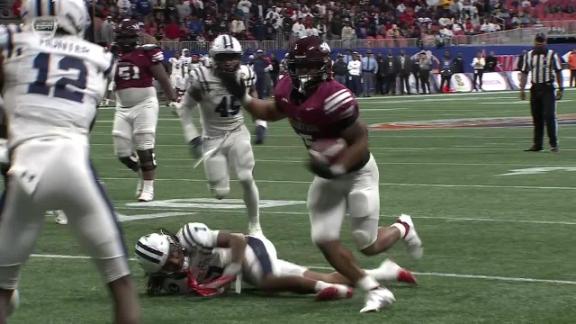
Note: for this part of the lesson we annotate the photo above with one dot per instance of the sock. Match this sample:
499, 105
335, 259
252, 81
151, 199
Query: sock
148, 185
387, 271
402, 227
251, 200
367, 283
321, 285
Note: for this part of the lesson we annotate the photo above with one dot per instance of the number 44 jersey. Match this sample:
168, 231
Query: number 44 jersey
52, 85
219, 109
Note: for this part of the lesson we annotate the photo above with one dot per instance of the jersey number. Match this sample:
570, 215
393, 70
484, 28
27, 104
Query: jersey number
229, 106
129, 72
42, 63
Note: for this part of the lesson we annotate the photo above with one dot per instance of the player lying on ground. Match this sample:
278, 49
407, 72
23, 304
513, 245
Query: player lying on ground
203, 261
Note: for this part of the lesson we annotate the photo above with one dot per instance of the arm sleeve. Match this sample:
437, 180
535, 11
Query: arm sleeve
189, 103
197, 235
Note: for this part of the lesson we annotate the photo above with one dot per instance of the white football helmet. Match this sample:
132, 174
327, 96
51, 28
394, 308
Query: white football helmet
225, 44
46, 16
152, 251
225, 52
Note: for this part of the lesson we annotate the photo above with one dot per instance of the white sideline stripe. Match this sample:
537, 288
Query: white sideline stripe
428, 274
381, 184
443, 218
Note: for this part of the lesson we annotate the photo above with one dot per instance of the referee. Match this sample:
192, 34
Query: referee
542, 64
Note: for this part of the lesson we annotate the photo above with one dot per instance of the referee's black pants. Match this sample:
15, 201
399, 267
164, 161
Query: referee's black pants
543, 108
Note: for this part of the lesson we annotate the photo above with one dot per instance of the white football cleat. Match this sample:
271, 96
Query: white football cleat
376, 299
60, 217
146, 195
334, 292
411, 238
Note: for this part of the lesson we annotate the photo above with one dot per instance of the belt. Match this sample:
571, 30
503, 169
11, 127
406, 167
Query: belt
367, 71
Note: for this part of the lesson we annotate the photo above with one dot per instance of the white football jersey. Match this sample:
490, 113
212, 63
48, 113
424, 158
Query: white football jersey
203, 257
220, 110
176, 66
52, 85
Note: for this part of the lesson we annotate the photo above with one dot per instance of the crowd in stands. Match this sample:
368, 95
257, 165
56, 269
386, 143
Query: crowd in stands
202, 20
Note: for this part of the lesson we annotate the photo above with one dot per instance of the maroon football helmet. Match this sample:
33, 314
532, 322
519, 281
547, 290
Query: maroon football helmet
126, 35
309, 63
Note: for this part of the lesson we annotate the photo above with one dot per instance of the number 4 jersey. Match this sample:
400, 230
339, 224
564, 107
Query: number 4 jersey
52, 85
219, 109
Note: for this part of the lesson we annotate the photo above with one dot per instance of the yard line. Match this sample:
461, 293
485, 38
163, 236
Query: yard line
374, 149
428, 274
440, 185
519, 164
443, 218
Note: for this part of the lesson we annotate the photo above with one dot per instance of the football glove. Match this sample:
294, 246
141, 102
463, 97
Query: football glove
195, 146
199, 289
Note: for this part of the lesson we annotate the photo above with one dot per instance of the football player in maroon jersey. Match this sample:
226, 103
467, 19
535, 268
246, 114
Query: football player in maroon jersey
319, 108
137, 106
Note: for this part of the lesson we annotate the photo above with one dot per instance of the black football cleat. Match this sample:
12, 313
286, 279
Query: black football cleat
534, 149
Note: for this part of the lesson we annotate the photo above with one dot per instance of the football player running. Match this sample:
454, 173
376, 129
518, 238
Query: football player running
134, 129
320, 108
52, 83
225, 141
203, 261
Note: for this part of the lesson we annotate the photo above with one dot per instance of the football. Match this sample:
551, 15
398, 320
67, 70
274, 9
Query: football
327, 150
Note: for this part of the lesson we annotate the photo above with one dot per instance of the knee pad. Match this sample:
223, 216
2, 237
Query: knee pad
131, 162
147, 160
363, 239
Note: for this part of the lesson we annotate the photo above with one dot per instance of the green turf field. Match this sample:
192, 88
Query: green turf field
498, 249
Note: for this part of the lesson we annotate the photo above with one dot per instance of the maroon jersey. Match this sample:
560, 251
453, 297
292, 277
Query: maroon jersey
133, 70
325, 114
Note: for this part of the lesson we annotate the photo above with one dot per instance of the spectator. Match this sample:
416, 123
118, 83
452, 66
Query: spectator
354, 73
184, 10
244, 6
458, 63
403, 62
237, 27
491, 62
390, 72
298, 29
340, 69
369, 70
172, 30
143, 8
196, 26
348, 34
478, 64
107, 31
275, 71
446, 72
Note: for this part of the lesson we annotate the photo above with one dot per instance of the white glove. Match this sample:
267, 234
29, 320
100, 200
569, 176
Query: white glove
175, 108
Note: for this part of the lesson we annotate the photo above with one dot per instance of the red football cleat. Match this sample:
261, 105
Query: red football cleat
407, 277
334, 292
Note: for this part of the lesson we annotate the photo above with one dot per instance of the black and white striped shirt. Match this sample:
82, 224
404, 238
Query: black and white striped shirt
542, 66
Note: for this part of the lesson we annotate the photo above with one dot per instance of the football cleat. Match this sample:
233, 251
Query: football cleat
334, 292
376, 299
60, 217
407, 277
146, 196
411, 238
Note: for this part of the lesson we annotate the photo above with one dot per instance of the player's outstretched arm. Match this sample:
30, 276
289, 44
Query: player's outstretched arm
160, 74
258, 108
